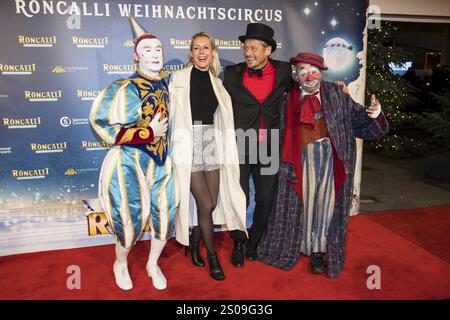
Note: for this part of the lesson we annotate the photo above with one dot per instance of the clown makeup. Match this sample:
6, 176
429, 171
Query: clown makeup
308, 76
150, 57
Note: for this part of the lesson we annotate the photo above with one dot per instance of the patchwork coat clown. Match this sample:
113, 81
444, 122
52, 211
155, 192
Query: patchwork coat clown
318, 130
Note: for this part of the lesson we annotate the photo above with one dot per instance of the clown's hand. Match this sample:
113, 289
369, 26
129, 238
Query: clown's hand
159, 127
375, 107
342, 85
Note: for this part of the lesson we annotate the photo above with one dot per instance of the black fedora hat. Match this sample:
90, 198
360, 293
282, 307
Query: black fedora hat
260, 31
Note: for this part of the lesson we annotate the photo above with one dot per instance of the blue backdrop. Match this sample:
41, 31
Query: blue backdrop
56, 56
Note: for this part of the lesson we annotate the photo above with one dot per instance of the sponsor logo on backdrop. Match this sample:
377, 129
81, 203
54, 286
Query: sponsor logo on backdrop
87, 94
21, 123
37, 96
119, 68
5, 150
67, 121
128, 44
74, 172
48, 147
64, 69
81, 42
58, 69
95, 145
70, 172
17, 69
30, 174
156, 11
37, 42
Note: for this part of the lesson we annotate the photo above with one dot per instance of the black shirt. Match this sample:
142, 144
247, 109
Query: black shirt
203, 99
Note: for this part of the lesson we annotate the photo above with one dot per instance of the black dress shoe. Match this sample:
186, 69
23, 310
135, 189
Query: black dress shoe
237, 255
215, 269
317, 263
251, 253
194, 249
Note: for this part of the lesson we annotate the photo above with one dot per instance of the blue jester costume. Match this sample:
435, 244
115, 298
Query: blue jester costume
136, 183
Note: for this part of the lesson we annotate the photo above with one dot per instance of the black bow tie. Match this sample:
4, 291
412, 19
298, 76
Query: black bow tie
252, 72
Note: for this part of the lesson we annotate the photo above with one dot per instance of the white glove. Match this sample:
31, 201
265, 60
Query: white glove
375, 107
159, 127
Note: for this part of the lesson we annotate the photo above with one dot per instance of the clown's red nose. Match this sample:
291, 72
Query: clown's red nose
310, 77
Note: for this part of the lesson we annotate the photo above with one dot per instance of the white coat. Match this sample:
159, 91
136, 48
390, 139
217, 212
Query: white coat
230, 211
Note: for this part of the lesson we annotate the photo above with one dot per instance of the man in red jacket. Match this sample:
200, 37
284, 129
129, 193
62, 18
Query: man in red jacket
256, 87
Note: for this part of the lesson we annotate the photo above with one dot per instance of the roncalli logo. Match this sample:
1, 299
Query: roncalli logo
17, 69
174, 67
30, 174
21, 123
95, 145
81, 42
98, 224
37, 96
67, 122
119, 68
48, 147
37, 42
220, 43
87, 94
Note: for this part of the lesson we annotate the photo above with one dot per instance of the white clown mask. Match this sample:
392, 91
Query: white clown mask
149, 55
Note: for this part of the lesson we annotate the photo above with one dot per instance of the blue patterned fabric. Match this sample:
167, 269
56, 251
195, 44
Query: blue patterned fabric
136, 183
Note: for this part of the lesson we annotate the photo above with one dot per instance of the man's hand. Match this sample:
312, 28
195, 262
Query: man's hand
375, 107
159, 127
342, 85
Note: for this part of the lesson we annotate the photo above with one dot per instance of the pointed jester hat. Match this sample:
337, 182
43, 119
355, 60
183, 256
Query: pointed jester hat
139, 33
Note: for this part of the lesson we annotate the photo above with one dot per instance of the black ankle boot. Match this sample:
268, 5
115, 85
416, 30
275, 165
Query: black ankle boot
237, 255
194, 249
317, 263
214, 267
250, 251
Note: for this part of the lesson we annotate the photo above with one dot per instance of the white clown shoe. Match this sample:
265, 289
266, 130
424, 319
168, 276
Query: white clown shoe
123, 279
158, 279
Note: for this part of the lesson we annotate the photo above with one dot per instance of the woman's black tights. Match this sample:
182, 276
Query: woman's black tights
205, 189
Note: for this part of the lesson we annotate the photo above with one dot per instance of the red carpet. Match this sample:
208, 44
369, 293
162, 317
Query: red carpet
413, 266
426, 227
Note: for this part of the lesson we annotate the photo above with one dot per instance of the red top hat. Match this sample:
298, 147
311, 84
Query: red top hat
310, 58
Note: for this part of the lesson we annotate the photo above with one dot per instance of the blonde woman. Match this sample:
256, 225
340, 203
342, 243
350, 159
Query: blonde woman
205, 155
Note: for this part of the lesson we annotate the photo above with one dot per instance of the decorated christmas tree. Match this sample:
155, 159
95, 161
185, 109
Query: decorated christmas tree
394, 93
437, 120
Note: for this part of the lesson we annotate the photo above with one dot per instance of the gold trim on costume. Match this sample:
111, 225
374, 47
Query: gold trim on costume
113, 168
137, 166
125, 199
96, 109
143, 133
